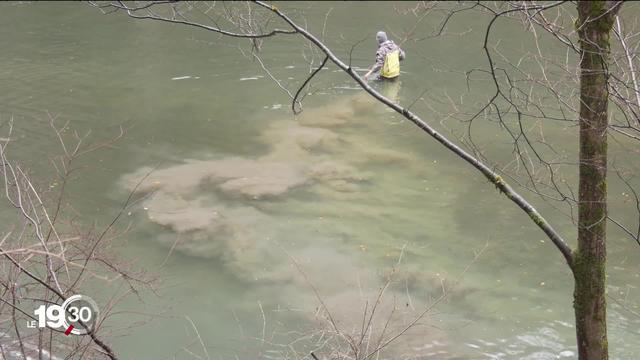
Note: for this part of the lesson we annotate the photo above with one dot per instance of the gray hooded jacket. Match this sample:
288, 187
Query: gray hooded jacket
385, 46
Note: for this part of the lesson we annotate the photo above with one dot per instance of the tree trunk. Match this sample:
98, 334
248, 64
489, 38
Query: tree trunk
595, 20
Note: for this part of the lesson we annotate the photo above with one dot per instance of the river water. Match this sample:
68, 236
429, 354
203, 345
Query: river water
249, 209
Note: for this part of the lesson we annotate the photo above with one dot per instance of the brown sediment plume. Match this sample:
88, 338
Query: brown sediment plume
218, 206
385, 317
336, 170
253, 178
365, 307
245, 211
384, 156
184, 216
350, 110
292, 141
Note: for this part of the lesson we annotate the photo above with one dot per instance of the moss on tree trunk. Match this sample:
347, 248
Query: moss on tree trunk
595, 20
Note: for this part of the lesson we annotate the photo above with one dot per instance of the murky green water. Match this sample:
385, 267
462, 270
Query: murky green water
242, 188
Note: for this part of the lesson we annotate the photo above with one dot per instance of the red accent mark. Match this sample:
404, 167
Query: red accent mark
68, 331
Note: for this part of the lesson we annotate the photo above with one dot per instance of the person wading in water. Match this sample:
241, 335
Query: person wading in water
388, 57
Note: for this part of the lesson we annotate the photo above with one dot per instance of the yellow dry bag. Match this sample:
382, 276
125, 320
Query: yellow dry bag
391, 67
